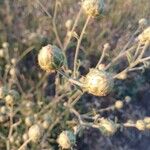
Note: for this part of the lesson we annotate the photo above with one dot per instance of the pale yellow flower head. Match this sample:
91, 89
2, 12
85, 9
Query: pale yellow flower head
50, 58
98, 82
93, 8
145, 35
66, 139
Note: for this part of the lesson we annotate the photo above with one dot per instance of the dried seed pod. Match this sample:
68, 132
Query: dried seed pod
66, 139
147, 120
46, 124
98, 82
93, 8
107, 127
118, 104
12, 139
128, 99
68, 24
5, 45
140, 125
4, 110
145, 35
9, 100
11, 97
50, 58
35, 133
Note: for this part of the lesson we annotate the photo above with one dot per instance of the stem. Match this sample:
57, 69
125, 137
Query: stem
53, 20
73, 28
70, 79
24, 54
54, 26
144, 49
119, 56
78, 45
130, 40
24, 144
101, 58
10, 128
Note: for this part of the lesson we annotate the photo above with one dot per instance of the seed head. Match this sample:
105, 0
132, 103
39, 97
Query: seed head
68, 24
5, 45
11, 97
140, 125
66, 139
128, 99
98, 82
35, 133
147, 119
3, 110
107, 127
118, 104
50, 58
93, 8
145, 35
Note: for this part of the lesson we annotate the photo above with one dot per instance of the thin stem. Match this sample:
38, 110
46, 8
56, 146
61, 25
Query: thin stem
54, 25
136, 52
136, 69
78, 45
24, 54
53, 21
130, 40
24, 144
70, 79
73, 28
144, 59
119, 56
144, 49
101, 58
10, 128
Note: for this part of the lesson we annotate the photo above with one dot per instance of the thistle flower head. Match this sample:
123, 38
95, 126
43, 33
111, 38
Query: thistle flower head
93, 8
35, 133
145, 35
98, 82
66, 139
107, 127
140, 125
50, 58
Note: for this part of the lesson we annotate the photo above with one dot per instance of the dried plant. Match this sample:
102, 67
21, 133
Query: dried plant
41, 122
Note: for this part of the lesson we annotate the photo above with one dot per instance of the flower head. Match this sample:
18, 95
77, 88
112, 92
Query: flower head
66, 139
93, 7
50, 58
98, 82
